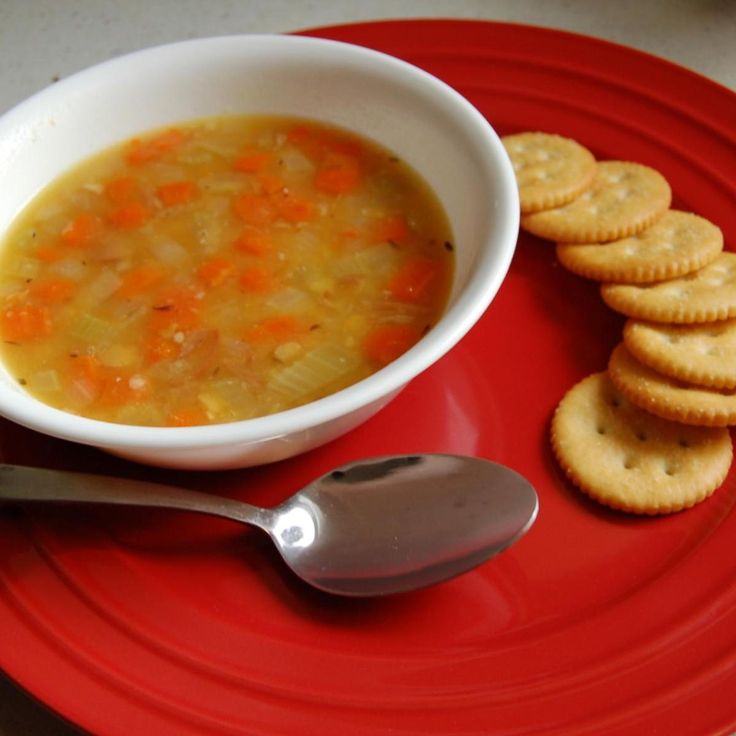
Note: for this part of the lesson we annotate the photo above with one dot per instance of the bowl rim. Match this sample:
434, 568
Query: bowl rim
490, 269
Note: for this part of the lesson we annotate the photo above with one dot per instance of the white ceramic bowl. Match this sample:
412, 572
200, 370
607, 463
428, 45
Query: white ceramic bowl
407, 110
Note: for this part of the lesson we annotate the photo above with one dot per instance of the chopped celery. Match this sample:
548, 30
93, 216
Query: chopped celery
120, 356
24, 268
314, 372
92, 329
142, 413
223, 150
44, 381
374, 260
227, 399
225, 183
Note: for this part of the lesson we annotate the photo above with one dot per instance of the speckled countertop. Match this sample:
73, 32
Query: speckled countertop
44, 40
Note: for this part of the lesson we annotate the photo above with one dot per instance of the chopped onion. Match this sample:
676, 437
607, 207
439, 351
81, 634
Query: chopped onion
70, 268
288, 299
168, 252
102, 287
296, 162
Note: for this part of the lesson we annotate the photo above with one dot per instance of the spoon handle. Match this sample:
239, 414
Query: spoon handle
18, 483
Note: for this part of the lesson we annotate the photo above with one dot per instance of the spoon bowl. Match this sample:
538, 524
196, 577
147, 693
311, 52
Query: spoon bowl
373, 527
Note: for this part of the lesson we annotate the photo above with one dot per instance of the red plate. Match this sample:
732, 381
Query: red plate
595, 623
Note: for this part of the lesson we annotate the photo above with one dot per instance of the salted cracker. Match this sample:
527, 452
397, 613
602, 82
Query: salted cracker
550, 170
704, 354
623, 199
705, 295
676, 244
628, 459
669, 397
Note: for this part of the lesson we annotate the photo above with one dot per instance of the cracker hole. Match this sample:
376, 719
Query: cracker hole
629, 463
601, 429
683, 443
642, 436
669, 470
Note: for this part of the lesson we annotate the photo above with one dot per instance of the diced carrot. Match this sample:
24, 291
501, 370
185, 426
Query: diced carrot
158, 348
393, 228
108, 386
298, 133
21, 322
80, 231
278, 328
178, 308
121, 190
254, 242
86, 374
87, 367
339, 144
186, 417
176, 192
52, 290
140, 152
215, 271
121, 388
139, 280
251, 163
170, 138
317, 143
129, 216
255, 209
256, 279
295, 209
345, 239
50, 253
414, 281
338, 174
387, 342
270, 183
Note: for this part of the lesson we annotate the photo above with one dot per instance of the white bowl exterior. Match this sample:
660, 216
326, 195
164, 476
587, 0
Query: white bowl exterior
429, 125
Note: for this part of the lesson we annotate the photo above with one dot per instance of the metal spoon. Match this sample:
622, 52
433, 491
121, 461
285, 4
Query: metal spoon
371, 527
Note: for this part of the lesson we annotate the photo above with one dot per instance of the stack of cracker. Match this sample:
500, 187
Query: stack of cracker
649, 435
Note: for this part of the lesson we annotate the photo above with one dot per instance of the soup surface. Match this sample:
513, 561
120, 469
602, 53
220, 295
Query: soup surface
220, 270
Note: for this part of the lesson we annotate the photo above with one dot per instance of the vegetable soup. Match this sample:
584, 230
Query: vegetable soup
220, 270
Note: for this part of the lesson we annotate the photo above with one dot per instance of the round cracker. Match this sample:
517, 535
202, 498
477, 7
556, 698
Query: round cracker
704, 354
706, 295
550, 170
676, 244
623, 199
628, 459
668, 397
